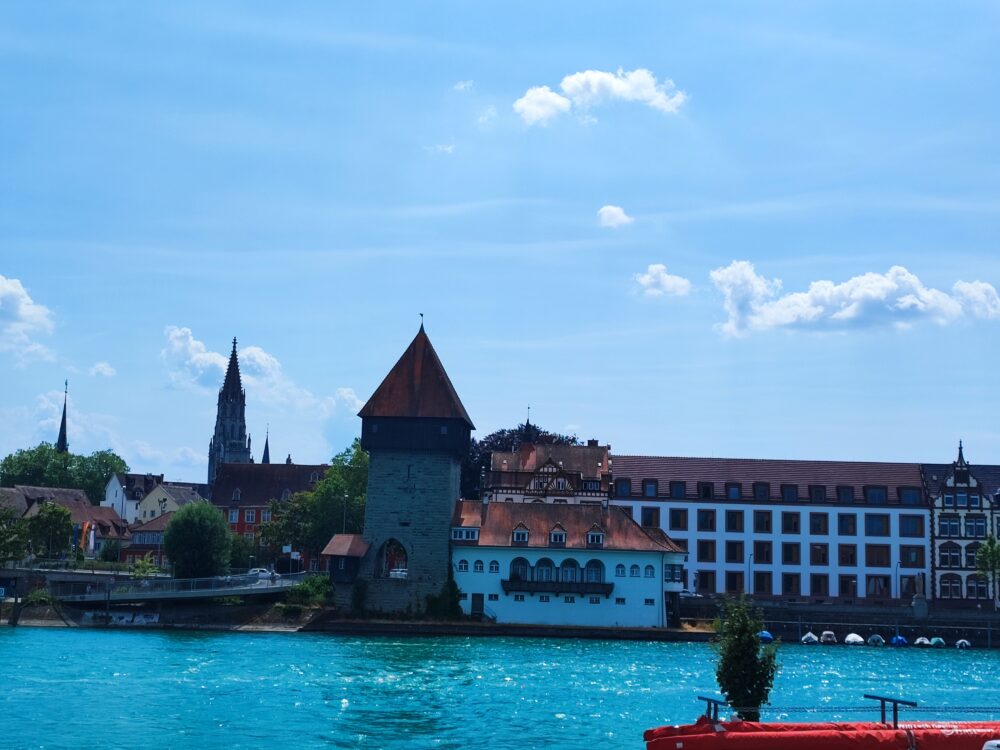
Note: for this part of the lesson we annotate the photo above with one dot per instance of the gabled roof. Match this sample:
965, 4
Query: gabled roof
500, 520
417, 386
589, 461
346, 545
155, 524
259, 484
180, 494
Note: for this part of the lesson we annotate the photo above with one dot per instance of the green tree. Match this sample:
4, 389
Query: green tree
50, 529
241, 550
13, 535
44, 466
144, 567
506, 440
111, 551
988, 563
197, 540
746, 667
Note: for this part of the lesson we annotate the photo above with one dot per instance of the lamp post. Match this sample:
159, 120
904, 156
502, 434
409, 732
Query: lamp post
899, 582
749, 586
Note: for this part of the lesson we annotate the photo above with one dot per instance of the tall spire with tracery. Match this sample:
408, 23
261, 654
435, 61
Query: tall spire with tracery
230, 444
62, 444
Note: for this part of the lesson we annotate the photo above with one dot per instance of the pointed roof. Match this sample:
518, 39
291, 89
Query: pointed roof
232, 383
62, 444
417, 387
961, 456
266, 458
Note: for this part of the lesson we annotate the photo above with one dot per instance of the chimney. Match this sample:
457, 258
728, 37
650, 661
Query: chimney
591, 443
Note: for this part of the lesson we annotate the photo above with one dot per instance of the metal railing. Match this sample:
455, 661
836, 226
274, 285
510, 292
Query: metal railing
154, 588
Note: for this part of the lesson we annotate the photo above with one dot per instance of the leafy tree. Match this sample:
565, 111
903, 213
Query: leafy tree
505, 440
336, 503
144, 567
746, 668
50, 529
198, 541
241, 550
111, 551
44, 466
13, 535
988, 563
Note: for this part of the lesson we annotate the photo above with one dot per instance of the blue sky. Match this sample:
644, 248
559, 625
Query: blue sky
727, 229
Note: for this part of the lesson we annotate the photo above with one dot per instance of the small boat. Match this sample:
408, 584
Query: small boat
937, 642
962, 644
876, 640
899, 640
810, 639
922, 642
828, 638
765, 637
853, 639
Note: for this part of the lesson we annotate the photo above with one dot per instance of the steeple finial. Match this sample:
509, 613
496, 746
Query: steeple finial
961, 454
62, 444
232, 383
421, 321
266, 458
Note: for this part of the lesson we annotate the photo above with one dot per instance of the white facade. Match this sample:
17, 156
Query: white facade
126, 504
853, 552
629, 592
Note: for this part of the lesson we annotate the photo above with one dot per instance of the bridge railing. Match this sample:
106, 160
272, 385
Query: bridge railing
158, 587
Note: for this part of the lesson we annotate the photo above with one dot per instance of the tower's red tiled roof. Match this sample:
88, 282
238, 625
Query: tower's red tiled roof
418, 387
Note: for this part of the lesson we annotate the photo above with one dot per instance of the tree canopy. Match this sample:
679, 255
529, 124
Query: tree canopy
44, 466
335, 504
506, 440
13, 535
988, 562
197, 540
50, 529
746, 667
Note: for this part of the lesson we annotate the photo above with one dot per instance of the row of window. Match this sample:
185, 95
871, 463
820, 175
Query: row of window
975, 587
761, 491
520, 535
546, 571
962, 500
762, 553
546, 598
875, 524
975, 526
875, 586
249, 515
950, 555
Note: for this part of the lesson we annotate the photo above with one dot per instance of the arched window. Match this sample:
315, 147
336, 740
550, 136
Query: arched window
477, 566
650, 572
951, 586
463, 566
594, 572
544, 570
633, 572
971, 552
569, 571
619, 571
393, 560
314, 477
950, 555
494, 566
519, 569
237, 495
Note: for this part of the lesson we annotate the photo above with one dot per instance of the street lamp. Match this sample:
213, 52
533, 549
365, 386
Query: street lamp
899, 582
749, 586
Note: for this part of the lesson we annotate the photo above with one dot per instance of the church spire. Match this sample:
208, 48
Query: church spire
62, 444
232, 383
266, 458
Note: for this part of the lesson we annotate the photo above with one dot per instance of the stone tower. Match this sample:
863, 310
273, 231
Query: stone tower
230, 444
416, 432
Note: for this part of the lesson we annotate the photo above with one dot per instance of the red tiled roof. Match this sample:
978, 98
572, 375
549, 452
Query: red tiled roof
590, 461
620, 531
80, 510
417, 386
346, 545
259, 484
746, 471
154, 524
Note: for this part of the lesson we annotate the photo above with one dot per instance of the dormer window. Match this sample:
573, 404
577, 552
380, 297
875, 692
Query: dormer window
595, 538
237, 495
557, 537
623, 488
520, 536
472, 535
949, 501
457, 534
560, 484
314, 477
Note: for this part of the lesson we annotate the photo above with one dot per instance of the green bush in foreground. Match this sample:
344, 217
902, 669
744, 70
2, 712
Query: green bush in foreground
746, 667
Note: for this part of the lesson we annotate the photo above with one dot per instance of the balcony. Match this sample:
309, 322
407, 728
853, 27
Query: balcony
557, 587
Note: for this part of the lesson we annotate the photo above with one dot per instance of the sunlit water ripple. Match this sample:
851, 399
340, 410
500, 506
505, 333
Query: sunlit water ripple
74, 688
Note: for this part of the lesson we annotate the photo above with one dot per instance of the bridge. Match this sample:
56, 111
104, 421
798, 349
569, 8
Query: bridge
171, 589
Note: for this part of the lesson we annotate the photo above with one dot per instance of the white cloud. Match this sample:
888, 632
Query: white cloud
21, 319
103, 369
754, 303
350, 399
487, 115
590, 88
656, 282
613, 217
464, 86
190, 361
183, 456
441, 148
540, 104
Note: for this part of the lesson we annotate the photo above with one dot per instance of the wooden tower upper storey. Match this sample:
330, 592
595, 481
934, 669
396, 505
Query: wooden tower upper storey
416, 406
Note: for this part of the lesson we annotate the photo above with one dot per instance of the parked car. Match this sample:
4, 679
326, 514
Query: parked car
685, 594
262, 573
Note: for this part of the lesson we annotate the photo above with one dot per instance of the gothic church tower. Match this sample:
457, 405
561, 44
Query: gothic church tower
230, 444
416, 432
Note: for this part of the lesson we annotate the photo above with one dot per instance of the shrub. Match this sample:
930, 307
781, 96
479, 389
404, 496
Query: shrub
746, 667
311, 591
39, 597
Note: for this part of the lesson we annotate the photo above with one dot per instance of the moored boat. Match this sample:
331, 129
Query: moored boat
962, 643
922, 642
828, 638
899, 640
765, 637
876, 640
853, 639
937, 642
809, 639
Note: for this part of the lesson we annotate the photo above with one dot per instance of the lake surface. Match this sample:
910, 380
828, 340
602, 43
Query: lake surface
109, 689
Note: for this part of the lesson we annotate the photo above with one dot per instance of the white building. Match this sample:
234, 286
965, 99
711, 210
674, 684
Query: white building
124, 492
548, 564
800, 530
167, 498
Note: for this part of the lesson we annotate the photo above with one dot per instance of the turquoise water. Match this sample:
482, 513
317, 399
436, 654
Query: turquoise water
103, 689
